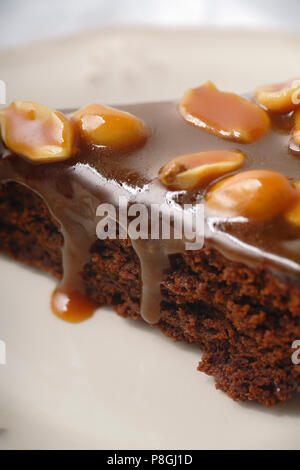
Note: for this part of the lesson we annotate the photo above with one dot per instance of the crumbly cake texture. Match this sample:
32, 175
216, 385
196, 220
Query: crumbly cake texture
243, 319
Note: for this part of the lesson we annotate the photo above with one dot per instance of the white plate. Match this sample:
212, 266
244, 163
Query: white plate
109, 382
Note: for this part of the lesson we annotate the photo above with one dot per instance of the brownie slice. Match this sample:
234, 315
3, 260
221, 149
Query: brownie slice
238, 297
244, 320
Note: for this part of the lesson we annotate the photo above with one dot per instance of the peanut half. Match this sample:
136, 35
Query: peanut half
109, 127
257, 195
293, 215
296, 133
281, 97
224, 114
36, 132
198, 169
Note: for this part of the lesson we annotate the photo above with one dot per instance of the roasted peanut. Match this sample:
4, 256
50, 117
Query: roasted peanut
198, 169
281, 97
296, 133
109, 127
224, 114
36, 132
293, 215
257, 195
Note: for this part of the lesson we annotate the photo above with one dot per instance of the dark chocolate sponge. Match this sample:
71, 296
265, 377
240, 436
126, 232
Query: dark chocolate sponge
243, 319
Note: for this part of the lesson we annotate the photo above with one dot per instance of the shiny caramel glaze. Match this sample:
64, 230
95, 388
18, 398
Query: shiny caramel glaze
73, 189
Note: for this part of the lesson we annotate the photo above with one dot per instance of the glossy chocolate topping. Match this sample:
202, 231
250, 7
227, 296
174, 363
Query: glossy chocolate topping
73, 190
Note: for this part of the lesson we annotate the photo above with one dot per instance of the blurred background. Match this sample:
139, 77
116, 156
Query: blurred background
69, 52
25, 20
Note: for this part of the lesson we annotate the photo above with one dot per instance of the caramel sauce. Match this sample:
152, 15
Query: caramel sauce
73, 189
224, 114
72, 307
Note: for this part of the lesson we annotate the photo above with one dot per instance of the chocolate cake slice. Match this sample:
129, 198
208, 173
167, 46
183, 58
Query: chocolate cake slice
67, 176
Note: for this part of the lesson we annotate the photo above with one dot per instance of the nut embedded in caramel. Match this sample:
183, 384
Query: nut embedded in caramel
36, 132
257, 195
281, 97
109, 127
198, 169
224, 114
296, 133
293, 215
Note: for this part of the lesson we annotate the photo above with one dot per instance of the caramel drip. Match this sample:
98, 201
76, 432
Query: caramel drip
69, 301
71, 306
154, 260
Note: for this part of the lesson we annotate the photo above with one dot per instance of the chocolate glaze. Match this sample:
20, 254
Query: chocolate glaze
73, 190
